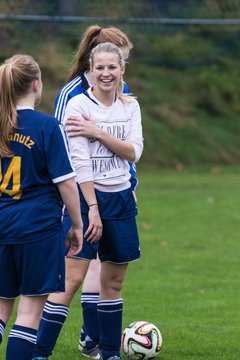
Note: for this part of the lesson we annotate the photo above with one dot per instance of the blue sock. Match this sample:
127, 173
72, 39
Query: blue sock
2, 328
90, 318
21, 342
51, 324
110, 322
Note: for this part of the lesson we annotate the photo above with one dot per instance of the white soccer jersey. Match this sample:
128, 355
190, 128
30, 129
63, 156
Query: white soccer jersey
92, 160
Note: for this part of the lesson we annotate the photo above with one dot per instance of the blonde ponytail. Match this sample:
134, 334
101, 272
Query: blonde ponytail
8, 112
16, 76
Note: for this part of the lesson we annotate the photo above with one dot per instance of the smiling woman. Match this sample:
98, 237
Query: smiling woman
102, 168
107, 67
78, 81
101, 161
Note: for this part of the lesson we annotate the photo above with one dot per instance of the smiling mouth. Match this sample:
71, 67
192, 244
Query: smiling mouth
106, 81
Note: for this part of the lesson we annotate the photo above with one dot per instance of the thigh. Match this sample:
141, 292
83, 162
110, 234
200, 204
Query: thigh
119, 242
110, 271
75, 271
92, 280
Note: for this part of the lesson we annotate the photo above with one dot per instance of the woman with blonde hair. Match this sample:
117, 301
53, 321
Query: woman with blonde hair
35, 180
79, 80
101, 155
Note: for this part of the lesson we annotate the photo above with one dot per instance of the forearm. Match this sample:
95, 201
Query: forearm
88, 192
94, 230
70, 196
124, 149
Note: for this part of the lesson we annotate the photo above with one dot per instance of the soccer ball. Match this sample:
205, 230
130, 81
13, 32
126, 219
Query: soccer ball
141, 340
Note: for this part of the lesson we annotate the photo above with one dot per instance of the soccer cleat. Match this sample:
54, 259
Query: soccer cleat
81, 345
93, 353
82, 338
115, 357
39, 358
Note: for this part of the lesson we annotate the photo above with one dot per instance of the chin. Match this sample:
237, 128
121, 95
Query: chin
107, 90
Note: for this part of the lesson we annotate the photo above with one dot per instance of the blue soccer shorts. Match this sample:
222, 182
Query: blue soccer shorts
119, 242
89, 251
35, 268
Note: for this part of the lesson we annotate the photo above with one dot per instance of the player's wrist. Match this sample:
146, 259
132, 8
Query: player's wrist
93, 204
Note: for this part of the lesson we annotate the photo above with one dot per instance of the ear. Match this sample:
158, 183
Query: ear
123, 68
35, 85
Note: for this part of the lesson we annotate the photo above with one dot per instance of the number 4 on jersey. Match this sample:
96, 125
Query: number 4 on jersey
12, 174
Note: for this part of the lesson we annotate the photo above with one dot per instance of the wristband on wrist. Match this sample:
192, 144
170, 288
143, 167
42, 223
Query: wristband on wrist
92, 205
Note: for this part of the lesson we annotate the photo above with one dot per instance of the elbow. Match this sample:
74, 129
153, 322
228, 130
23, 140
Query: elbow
132, 156
83, 172
137, 153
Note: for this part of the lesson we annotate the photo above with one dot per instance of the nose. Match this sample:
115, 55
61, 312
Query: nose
105, 71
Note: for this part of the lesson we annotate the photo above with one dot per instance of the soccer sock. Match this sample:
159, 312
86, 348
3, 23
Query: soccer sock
110, 323
21, 342
51, 324
2, 328
90, 318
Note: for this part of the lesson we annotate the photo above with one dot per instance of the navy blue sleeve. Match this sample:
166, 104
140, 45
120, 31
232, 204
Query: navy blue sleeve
57, 156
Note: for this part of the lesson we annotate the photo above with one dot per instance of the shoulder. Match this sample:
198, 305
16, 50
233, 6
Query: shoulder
129, 101
135, 107
72, 88
77, 99
71, 85
45, 119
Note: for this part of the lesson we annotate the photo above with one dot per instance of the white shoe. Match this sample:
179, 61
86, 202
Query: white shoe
81, 345
93, 353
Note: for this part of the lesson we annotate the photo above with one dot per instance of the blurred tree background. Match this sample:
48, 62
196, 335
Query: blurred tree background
184, 67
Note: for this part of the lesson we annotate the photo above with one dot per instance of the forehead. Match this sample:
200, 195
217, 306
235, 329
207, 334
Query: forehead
106, 58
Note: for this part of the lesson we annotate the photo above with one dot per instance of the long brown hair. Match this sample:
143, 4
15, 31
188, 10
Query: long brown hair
93, 36
16, 76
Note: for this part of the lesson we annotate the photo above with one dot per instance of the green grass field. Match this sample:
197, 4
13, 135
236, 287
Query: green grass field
187, 282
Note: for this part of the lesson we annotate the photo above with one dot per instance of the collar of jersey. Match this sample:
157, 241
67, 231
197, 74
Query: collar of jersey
90, 95
22, 107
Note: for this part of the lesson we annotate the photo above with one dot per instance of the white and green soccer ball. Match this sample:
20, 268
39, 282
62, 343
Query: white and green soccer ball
141, 340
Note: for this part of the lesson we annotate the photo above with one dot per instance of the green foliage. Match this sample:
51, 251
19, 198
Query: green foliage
219, 93
186, 79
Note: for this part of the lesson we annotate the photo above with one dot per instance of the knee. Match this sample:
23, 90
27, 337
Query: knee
114, 284
28, 318
73, 283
